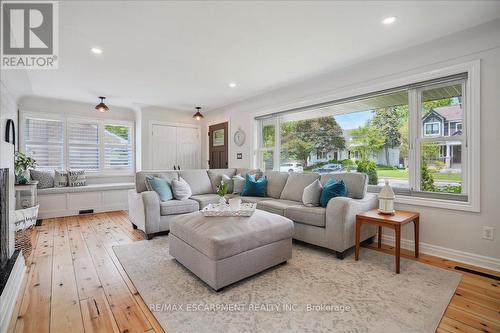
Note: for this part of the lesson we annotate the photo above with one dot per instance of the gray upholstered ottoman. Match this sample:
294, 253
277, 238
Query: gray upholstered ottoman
223, 250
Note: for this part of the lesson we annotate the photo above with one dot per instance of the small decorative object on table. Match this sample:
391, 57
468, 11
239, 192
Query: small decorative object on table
222, 191
21, 166
386, 200
246, 209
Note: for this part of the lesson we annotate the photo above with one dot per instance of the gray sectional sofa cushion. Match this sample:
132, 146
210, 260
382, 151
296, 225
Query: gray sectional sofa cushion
277, 206
198, 180
275, 183
205, 199
295, 185
140, 178
215, 176
254, 199
173, 207
315, 216
356, 182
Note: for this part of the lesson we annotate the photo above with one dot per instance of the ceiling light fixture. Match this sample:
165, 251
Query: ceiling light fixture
96, 50
198, 115
389, 20
101, 107
232, 85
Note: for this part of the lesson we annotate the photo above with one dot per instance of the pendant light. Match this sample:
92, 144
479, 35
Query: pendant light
198, 115
101, 107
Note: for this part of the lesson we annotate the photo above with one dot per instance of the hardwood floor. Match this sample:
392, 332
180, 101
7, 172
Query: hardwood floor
75, 283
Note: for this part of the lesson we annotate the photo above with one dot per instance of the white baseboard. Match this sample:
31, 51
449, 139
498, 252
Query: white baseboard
446, 253
11, 292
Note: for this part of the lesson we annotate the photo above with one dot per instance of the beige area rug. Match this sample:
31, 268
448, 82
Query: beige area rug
313, 292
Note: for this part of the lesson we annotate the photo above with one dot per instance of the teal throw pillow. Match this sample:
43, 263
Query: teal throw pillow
160, 186
254, 188
332, 189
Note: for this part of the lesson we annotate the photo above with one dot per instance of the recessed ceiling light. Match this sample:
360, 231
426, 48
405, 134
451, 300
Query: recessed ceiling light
232, 85
389, 20
96, 50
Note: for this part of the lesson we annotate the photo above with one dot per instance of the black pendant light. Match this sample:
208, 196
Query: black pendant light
101, 107
198, 115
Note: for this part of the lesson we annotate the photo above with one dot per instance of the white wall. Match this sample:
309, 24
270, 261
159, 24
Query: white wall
8, 110
159, 114
450, 229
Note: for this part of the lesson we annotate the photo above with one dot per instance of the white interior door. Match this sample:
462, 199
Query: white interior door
188, 147
164, 147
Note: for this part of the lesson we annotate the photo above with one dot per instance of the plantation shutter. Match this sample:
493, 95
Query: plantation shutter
44, 140
118, 153
83, 145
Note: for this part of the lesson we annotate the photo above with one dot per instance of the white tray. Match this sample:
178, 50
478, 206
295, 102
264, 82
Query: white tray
246, 209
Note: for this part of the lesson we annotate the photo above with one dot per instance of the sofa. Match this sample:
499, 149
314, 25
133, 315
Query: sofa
331, 227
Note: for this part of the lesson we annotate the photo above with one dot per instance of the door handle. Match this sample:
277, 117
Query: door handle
174, 168
178, 167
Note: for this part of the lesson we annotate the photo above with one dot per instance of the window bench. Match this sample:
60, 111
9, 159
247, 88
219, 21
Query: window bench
68, 201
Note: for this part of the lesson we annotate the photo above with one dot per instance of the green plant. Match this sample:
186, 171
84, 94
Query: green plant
222, 188
348, 164
427, 179
452, 189
23, 163
370, 168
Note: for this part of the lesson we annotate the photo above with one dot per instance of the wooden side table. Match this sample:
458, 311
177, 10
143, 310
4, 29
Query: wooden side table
395, 222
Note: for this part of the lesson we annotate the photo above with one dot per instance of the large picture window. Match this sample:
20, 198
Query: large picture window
57, 142
414, 136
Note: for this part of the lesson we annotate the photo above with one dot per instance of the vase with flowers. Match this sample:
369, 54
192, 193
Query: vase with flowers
222, 191
21, 165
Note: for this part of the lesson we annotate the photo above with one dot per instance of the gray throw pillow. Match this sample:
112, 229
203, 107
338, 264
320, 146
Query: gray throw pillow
229, 181
60, 178
76, 178
44, 178
238, 184
181, 189
312, 194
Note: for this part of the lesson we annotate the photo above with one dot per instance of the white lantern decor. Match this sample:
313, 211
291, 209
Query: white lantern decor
386, 200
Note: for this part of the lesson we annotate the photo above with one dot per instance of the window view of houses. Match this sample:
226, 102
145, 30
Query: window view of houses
372, 136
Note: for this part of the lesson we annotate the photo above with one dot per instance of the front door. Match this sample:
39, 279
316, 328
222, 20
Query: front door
218, 146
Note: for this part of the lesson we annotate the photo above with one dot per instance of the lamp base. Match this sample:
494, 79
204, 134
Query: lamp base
383, 212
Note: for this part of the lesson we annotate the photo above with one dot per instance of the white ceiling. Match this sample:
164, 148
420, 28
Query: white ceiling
182, 54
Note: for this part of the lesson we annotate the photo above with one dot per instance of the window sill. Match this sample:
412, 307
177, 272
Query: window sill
437, 203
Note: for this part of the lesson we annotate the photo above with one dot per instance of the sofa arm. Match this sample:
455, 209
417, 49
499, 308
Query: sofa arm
341, 220
144, 210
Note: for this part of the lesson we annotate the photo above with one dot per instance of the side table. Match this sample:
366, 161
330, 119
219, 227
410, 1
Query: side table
395, 222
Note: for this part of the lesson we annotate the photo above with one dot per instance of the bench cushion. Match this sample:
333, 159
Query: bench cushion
223, 237
87, 188
253, 199
315, 216
276, 206
173, 207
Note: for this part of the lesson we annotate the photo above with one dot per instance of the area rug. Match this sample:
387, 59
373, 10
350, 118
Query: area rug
313, 292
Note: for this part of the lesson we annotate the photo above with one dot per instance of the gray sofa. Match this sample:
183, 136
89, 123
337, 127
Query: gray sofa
332, 227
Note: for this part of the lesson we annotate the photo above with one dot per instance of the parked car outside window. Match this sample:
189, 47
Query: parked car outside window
327, 168
291, 167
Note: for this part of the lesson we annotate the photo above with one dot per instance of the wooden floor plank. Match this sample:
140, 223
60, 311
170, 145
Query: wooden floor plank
65, 306
127, 313
34, 313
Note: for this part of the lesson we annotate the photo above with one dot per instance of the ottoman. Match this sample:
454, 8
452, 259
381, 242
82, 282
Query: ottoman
223, 250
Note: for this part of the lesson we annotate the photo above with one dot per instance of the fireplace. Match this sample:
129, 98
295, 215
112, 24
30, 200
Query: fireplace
4, 217
7, 262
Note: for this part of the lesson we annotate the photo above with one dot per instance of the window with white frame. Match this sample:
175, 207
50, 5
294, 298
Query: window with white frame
432, 128
399, 131
59, 142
